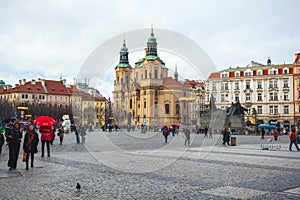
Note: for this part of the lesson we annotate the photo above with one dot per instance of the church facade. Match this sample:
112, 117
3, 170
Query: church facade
144, 94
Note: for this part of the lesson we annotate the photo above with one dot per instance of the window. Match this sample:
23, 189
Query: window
155, 73
236, 97
275, 96
61, 98
286, 96
285, 83
275, 109
285, 71
299, 94
145, 104
259, 72
167, 108
136, 76
236, 86
145, 74
214, 87
24, 96
299, 82
259, 109
275, 84
224, 86
247, 84
259, 97
66, 98
50, 98
299, 109
248, 73
130, 103
248, 97
237, 74
259, 85
55, 98
271, 110
270, 84
224, 97
286, 109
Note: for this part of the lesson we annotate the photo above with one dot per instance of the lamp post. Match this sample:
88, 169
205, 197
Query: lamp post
22, 111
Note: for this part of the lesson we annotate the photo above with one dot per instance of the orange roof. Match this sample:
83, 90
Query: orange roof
214, 75
169, 81
56, 87
28, 87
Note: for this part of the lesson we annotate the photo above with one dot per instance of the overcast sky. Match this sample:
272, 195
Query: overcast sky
46, 38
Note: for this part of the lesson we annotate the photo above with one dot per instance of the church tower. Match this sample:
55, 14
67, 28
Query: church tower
122, 85
151, 49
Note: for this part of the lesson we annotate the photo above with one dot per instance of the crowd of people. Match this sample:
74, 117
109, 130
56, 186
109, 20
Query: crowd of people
13, 132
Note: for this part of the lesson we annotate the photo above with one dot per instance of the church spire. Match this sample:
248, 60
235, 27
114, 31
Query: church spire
124, 62
176, 73
151, 44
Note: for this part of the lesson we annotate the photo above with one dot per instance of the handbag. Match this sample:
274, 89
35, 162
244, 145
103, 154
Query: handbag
24, 157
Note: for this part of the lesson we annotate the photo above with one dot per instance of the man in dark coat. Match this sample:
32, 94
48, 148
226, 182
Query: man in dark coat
226, 136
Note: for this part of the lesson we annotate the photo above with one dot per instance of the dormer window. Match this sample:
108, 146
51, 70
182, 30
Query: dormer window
259, 72
237, 74
248, 72
273, 71
285, 70
224, 74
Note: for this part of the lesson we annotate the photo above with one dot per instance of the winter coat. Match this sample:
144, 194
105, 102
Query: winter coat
32, 147
165, 131
293, 136
13, 135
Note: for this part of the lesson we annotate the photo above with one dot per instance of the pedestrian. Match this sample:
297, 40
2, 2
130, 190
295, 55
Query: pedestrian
209, 132
275, 134
187, 134
166, 132
205, 131
2, 130
82, 132
263, 132
53, 136
226, 136
14, 136
76, 134
30, 144
46, 137
61, 135
293, 139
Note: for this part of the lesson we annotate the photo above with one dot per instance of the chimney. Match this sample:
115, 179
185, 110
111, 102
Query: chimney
9, 87
20, 82
64, 81
24, 81
16, 85
33, 82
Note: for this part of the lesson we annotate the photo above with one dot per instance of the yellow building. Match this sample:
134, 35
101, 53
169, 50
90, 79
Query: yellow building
145, 94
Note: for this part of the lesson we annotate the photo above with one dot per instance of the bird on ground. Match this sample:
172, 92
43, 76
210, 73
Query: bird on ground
78, 187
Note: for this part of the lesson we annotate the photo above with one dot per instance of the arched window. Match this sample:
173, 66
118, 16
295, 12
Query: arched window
167, 108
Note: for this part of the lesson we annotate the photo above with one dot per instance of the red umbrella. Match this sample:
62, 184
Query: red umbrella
44, 121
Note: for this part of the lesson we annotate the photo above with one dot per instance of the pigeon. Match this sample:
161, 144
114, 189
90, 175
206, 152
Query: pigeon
78, 187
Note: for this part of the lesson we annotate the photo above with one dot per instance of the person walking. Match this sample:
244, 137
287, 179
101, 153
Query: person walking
46, 137
76, 134
263, 132
226, 136
61, 135
293, 139
166, 133
209, 132
2, 130
30, 144
187, 134
14, 136
275, 134
82, 132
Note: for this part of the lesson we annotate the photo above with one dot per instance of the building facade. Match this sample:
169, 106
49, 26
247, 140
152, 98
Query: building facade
146, 94
267, 91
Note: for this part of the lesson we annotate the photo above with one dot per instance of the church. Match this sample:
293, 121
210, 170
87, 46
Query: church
144, 94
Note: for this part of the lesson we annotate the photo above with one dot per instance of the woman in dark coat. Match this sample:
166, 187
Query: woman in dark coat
13, 135
30, 144
226, 136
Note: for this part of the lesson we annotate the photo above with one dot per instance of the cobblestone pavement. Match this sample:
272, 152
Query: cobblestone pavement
141, 166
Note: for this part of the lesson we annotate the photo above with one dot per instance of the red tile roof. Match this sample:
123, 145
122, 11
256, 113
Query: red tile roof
171, 82
28, 87
214, 75
56, 87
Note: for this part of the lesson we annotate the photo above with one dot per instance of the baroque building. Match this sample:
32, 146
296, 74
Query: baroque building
145, 93
267, 91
